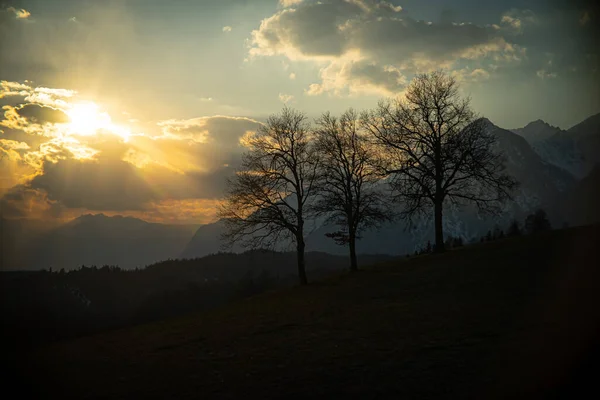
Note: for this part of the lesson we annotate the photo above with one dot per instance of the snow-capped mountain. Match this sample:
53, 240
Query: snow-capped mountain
587, 136
576, 150
542, 185
555, 169
537, 131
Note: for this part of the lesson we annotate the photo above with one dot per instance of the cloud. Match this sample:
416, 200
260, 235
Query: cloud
23, 201
292, 75
40, 114
14, 169
220, 129
585, 18
285, 98
516, 20
13, 145
191, 160
468, 75
26, 92
185, 163
349, 78
543, 74
103, 184
20, 13
8, 88
289, 3
371, 46
227, 29
197, 211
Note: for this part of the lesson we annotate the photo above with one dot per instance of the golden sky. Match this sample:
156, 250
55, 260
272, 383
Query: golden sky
137, 107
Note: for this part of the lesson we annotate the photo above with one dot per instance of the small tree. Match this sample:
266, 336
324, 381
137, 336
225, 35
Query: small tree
514, 229
498, 233
267, 200
489, 236
349, 194
434, 149
537, 222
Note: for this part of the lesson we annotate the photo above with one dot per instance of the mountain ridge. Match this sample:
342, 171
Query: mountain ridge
547, 179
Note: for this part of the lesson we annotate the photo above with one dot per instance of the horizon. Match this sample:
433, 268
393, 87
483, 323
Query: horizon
284, 198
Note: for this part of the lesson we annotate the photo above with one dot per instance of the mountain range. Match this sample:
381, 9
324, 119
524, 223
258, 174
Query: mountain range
90, 240
558, 170
574, 150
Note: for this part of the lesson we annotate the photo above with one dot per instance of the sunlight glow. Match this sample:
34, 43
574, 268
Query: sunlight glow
87, 119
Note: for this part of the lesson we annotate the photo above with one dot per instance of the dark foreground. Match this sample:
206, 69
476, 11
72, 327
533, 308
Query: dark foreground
516, 318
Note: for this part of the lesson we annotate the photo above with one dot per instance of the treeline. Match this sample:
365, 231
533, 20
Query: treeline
404, 158
534, 223
44, 306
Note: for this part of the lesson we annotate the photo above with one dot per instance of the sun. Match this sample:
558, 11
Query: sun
86, 119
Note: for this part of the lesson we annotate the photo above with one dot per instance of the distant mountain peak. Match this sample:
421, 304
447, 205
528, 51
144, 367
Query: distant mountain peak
100, 216
101, 219
90, 215
589, 126
485, 122
540, 124
537, 122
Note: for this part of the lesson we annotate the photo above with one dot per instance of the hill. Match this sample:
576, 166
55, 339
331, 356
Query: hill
38, 307
95, 239
516, 318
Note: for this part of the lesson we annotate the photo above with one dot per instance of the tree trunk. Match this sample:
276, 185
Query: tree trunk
352, 245
301, 264
439, 228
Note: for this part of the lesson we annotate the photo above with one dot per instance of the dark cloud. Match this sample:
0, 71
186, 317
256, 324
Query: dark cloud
370, 43
40, 114
23, 201
332, 27
116, 185
190, 162
206, 142
396, 40
108, 183
94, 185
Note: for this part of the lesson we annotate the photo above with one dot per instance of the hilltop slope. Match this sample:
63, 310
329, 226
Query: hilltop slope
507, 319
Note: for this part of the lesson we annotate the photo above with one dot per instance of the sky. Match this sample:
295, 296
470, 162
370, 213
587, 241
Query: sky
138, 107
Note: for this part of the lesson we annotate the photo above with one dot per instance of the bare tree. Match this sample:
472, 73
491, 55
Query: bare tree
266, 201
348, 192
435, 149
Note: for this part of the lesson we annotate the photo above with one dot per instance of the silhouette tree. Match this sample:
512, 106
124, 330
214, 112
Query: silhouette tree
434, 149
489, 236
514, 229
349, 194
267, 199
537, 222
498, 233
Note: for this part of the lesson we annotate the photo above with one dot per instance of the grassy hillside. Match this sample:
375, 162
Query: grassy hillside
512, 318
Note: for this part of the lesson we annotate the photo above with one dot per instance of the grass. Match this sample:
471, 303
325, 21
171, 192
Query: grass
507, 319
